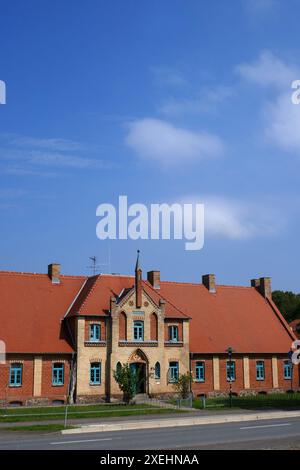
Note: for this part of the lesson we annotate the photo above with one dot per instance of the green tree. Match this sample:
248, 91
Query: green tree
183, 385
288, 304
127, 381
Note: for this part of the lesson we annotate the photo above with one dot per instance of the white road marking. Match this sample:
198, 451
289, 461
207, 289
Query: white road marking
266, 426
85, 440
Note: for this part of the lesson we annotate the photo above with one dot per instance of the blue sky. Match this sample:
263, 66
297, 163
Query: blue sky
163, 101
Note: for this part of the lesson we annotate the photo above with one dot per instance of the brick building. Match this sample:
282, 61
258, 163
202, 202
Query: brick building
65, 335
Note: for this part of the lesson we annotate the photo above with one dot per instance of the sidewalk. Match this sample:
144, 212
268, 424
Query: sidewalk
194, 419
120, 419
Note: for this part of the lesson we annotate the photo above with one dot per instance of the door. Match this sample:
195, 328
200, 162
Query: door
139, 369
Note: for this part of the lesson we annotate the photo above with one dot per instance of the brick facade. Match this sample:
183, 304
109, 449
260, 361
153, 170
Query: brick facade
36, 386
171, 331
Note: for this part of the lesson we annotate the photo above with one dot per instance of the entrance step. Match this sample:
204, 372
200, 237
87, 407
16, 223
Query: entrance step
141, 398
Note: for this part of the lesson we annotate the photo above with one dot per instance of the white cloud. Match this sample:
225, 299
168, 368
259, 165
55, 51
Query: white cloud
237, 219
162, 142
269, 70
63, 160
27, 153
283, 123
281, 116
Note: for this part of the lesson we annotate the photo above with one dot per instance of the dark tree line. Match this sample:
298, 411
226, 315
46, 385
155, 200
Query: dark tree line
288, 303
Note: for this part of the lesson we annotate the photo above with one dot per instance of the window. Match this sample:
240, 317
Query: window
15, 375
138, 330
157, 370
58, 373
95, 332
173, 372
200, 371
95, 373
287, 370
173, 333
260, 370
230, 371
119, 368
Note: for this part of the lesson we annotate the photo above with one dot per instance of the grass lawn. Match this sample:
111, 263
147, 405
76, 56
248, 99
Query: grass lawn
38, 427
13, 415
270, 401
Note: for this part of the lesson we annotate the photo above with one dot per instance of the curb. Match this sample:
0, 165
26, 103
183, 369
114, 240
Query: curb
169, 423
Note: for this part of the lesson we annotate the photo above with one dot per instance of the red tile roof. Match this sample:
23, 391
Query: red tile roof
31, 311
234, 316
94, 299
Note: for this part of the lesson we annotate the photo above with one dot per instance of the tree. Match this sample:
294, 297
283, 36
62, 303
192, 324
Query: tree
288, 303
127, 381
183, 385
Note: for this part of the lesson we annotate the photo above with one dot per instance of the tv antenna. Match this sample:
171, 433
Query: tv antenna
95, 266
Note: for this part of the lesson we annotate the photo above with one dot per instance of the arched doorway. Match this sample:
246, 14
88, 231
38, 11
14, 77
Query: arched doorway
139, 365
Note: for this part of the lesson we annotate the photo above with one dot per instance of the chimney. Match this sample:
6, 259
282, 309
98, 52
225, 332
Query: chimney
264, 286
54, 273
209, 281
255, 283
138, 282
153, 278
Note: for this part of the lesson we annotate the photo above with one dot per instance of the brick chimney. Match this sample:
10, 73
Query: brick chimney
153, 278
54, 273
209, 281
264, 286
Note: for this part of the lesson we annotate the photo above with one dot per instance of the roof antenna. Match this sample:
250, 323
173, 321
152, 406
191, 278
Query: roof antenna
94, 266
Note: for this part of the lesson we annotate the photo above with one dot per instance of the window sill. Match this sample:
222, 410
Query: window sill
15, 386
95, 385
57, 385
95, 343
174, 343
134, 343
199, 381
260, 380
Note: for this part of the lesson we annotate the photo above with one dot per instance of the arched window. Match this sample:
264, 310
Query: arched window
123, 326
153, 327
95, 332
118, 367
157, 370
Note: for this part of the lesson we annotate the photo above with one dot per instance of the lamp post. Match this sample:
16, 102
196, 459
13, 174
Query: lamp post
290, 355
229, 351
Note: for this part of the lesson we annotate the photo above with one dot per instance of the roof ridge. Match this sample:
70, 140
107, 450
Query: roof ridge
202, 285
26, 273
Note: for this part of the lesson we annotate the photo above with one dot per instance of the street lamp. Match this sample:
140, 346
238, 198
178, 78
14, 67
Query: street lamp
230, 351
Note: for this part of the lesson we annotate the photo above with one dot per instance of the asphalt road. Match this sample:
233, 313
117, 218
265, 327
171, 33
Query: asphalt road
267, 434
